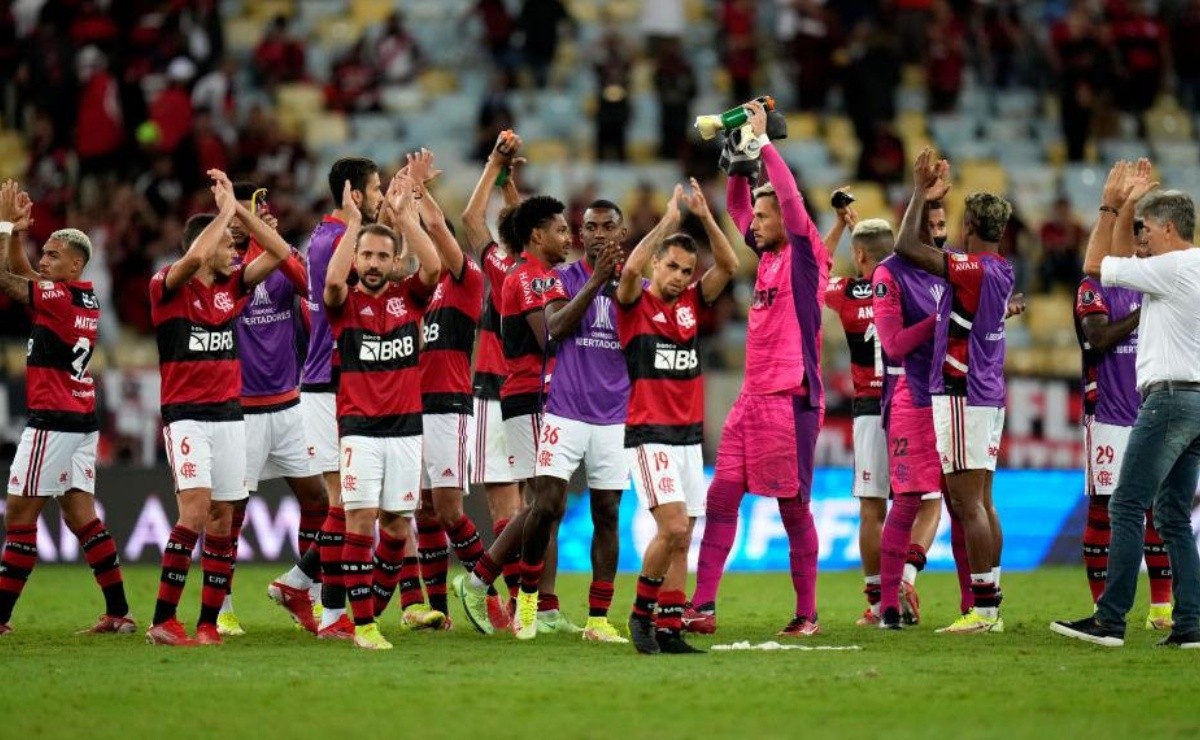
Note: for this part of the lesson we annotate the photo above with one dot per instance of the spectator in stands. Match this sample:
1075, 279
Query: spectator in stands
171, 110
873, 64
1186, 54
945, 58
911, 21
882, 157
541, 23
812, 47
211, 151
662, 21
200, 24
1001, 40
279, 57
1014, 247
354, 82
740, 49
161, 188
613, 65
100, 126
1063, 238
495, 115
397, 55
215, 92
1081, 57
1142, 47
498, 28
46, 78
675, 84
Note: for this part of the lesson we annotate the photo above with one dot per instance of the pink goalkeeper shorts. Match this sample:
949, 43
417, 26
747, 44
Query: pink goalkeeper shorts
912, 446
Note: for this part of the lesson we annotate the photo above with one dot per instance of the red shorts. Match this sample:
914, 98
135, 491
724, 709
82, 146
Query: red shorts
768, 444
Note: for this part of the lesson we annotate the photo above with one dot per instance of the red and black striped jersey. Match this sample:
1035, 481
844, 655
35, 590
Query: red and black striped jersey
378, 342
448, 339
490, 365
661, 342
59, 391
201, 376
852, 299
529, 286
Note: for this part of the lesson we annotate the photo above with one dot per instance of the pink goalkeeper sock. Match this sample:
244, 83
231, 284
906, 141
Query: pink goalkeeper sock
897, 533
802, 551
720, 528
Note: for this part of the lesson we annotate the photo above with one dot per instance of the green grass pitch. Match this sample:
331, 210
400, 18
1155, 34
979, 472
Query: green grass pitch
277, 682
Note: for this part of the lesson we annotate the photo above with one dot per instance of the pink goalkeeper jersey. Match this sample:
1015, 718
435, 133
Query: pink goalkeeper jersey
783, 343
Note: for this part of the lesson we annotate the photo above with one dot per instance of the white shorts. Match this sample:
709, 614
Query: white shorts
381, 473
564, 443
872, 477
522, 435
208, 454
51, 463
968, 437
669, 474
448, 440
277, 446
490, 461
319, 411
1105, 449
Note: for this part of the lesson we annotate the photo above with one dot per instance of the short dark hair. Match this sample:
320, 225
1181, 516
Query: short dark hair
678, 239
379, 230
603, 204
935, 205
989, 214
355, 169
506, 228
194, 226
533, 213
244, 190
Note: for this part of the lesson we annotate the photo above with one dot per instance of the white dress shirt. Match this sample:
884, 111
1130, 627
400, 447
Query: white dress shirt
1169, 328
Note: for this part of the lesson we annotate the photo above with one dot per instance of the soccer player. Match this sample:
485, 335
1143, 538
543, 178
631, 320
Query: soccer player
770, 435
585, 409
376, 325
276, 441
318, 387
490, 464
658, 325
194, 304
545, 237
56, 457
967, 372
1106, 322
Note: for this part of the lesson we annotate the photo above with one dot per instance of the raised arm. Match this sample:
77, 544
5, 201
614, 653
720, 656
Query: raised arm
725, 260
451, 255
16, 208
474, 215
202, 249
275, 250
342, 260
408, 222
1123, 243
563, 316
629, 289
931, 181
846, 219
791, 205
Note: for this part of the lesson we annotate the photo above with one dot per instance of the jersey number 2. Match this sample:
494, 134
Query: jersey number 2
81, 355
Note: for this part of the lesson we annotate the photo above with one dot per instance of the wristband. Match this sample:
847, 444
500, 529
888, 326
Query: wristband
1109, 209
502, 178
763, 140
6, 227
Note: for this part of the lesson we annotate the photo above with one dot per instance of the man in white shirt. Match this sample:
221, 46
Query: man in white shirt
1162, 460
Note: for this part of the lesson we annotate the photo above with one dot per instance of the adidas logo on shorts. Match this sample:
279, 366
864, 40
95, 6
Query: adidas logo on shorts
447, 473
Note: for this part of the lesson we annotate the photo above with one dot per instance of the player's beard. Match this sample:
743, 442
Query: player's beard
373, 281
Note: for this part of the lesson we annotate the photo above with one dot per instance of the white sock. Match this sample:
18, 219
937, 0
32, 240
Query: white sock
996, 576
910, 573
227, 604
314, 592
988, 612
296, 579
329, 616
871, 580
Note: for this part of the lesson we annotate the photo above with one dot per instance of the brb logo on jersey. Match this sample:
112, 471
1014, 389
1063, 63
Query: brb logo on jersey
202, 340
668, 357
395, 307
223, 301
685, 317
377, 349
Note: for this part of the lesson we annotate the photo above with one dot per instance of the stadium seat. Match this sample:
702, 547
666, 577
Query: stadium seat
338, 34
1018, 105
402, 99
1083, 184
1051, 320
300, 98
950, 130
325, 128
242, 35
368, 12
981, 175
803, 126
840, 138
1167, 123
1033, 189
911, 123
1177, 153
264, 10
1019, 154
1111, 150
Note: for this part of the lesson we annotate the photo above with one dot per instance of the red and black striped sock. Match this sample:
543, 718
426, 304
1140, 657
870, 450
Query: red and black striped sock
176, 562
312, 516
511, 571
464, 538
670, 611
646, 598
389, 554
100, 551
331, 542
356, 568
235, 537
547, 602
984, 593
874, 592
531, 576
216, 562
486, 569
600, 596
1096, 537
916, 557
1158, 563
433, 547
410, 583
20, 555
